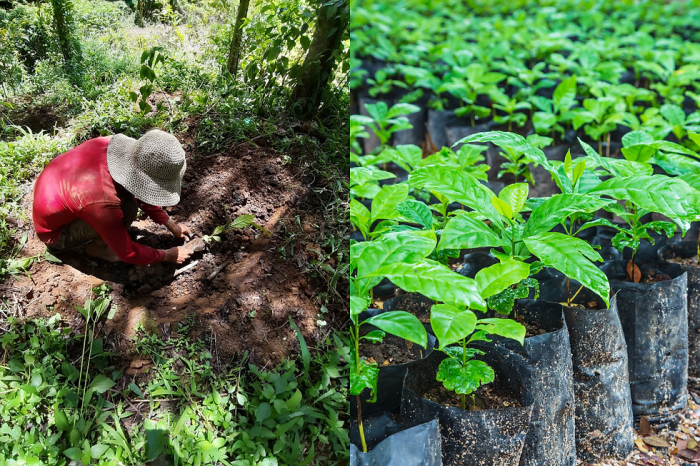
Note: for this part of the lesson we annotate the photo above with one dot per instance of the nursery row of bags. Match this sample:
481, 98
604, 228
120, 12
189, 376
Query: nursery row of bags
626, 64
534, 350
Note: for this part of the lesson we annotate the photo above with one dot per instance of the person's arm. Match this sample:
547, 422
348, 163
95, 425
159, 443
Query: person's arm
158, 215
108, 221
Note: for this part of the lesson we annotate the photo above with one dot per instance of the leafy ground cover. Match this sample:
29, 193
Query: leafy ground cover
206, 366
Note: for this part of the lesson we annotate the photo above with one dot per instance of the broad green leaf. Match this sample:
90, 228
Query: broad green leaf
416, 212
691, 180
502, 207
515, 195
669, 146
511, 140
410, 154
673, 113
564, 94
668, 196
504, 301
435, 281
360, 217
401, 109
579, 170
97, 450
404, 246
676, 164
496, 278
361, 175
101, 383
401, 324
263, 411
242, 221
457, 186
556, 209
74, 453
384, 203
625, 168
378, 111
364, 376
506, 328
466, 232
464, 379
451, 324
375, 336
357, 306
636, 137
61, 421
572, 257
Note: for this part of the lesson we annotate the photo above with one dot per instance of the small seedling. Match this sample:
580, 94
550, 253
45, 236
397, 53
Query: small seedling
240, 222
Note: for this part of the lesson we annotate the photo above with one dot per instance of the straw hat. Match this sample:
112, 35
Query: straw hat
151, 168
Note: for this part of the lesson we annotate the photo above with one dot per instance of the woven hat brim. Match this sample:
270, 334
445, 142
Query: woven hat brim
122, 167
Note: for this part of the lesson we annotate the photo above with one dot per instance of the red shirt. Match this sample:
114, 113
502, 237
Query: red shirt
77, 184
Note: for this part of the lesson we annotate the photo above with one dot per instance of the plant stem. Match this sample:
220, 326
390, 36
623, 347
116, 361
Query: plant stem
568, 292
634, 252
359, 424
463, 401
464, 363
600, 146
607, 149
698, 252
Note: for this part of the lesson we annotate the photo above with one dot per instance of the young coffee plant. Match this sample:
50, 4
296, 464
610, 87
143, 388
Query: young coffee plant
365, 258
242, 221
518, 163
385, 121
555, 111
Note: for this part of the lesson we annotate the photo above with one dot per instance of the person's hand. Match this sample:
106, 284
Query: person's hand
177, 255
178, 230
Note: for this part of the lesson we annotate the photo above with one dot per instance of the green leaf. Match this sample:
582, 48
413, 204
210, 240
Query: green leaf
565, 94
358, 305
673, 113
657, 193
416, 212
364, 376
451, 324
502, 207
61, 420
410, 154
401, 324
242, 221
511, 140
294, 401
263, 411
496, 278
636, 137
375, 336
571, 256
504, 301
385, 202
404, 246
466, 232
401, 109
556, 209
74, 453
135, 388
505, 328
97, 450
464, 379
456, 186
101, 383
435, 281
361, 175
359, 216
515, 195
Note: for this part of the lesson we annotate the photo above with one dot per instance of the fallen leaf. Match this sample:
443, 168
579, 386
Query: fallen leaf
385, 363
637, 276
640, 444
644, 426
692, 444
682, 443
696, 458
655, 441
687, 454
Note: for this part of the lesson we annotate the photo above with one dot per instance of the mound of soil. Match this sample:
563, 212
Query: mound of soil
688, 262
247, 306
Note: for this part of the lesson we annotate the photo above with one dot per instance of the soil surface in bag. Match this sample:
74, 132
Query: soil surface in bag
544, 362
489, 437
685, 254
393, 442
392, 351
604, 425
391, 377
654, 320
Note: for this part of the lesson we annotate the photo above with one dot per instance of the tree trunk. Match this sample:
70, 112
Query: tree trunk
68, 43
320, 59
235, 52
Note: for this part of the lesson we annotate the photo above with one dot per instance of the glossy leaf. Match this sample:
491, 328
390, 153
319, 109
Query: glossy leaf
572, 257
515, 195
416, 212
498, 277
451, 323
504, 301
466, 232
360, 217
357, 306
511, 140
363, 376
401, 324
556, 209
464, 379
385, 202
506, 328
435, 281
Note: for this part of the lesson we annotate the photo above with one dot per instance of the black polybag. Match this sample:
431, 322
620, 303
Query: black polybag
472, 438
396, 444
544, 362
654, 320
604, 424
390, 385
685, 250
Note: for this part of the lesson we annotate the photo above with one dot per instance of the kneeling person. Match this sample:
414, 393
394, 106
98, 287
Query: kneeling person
90, 195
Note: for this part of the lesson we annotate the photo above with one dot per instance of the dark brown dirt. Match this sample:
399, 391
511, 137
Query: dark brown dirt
392, 351
688, 262
250, 302
486, 397
531, 330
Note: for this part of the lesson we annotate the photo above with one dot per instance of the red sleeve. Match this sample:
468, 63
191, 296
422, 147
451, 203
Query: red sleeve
157, 214
108, 220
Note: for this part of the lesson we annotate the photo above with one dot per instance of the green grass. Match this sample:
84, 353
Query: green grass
63, 397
